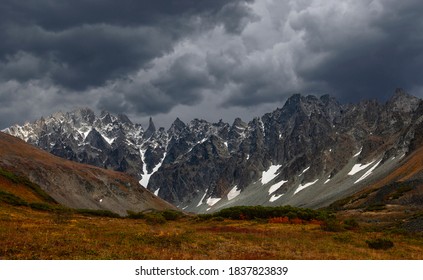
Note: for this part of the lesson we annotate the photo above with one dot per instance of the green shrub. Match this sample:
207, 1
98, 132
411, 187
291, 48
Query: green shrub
204, 217
171, 215
401, 190
154, 218
97, 213
24, 181
332, 225
217, 219
135, 215
380, 244
351, 224
9, 175
376, 207
12, 199
261, 212
42, 206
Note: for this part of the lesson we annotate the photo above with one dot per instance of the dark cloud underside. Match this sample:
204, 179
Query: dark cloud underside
163, 57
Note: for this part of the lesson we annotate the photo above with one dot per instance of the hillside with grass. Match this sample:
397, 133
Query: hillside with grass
38, 222
238, 233
36, 176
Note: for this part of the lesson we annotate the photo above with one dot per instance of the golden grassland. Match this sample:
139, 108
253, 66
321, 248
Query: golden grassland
29, 234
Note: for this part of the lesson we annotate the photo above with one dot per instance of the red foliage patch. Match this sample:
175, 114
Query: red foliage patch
295, 221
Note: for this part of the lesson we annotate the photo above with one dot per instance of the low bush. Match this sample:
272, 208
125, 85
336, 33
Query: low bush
401, 190
262, 212
97, 213
154, 218
376, 207
12, 199
217, 219
279, 220
42, 206
332, 225
135, 215
351, 224
171, 215
204, 217
380, 244
24, 181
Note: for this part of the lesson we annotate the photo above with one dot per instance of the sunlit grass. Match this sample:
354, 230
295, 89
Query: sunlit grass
30, 234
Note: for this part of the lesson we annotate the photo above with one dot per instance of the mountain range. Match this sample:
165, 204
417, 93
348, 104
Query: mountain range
310, 153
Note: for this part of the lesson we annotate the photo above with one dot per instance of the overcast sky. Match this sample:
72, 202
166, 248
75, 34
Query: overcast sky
208, 59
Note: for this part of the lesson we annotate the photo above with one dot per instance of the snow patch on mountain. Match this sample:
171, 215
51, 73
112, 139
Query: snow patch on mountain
84, 131
359, 152
305, 170
368, 173
201, 200
270, 174
302, 187
276, 186
108, 140
275, 197
146, 176
234, 192
359, 167
212, 201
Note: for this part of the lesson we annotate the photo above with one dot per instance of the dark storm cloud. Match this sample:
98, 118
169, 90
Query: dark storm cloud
64, 14
351, 49
86, 43
165, 57
83, 56
369, 63
180, 83
56, 55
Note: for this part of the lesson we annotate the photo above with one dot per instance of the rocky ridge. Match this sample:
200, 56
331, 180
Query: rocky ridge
310, 152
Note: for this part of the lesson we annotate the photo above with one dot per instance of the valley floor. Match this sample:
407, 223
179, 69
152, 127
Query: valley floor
30, 234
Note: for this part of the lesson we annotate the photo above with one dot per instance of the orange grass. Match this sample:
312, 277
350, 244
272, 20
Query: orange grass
29, 234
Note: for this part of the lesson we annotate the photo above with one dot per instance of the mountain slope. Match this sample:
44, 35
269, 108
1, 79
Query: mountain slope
311, 152
71, 184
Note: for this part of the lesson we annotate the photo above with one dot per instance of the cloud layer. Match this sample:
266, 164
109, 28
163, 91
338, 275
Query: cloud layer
218, 58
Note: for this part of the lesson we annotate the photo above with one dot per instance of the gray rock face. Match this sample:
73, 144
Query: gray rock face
105, 141
202, 165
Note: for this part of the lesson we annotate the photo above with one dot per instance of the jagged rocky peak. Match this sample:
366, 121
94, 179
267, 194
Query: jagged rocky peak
124, 119
83, 115
106, 117
57, 116
221, 123
150, 130
177, 127
331, 106
200, 128
312, 105
403, 102
239, 123
298, 103
238, 128
293, 102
